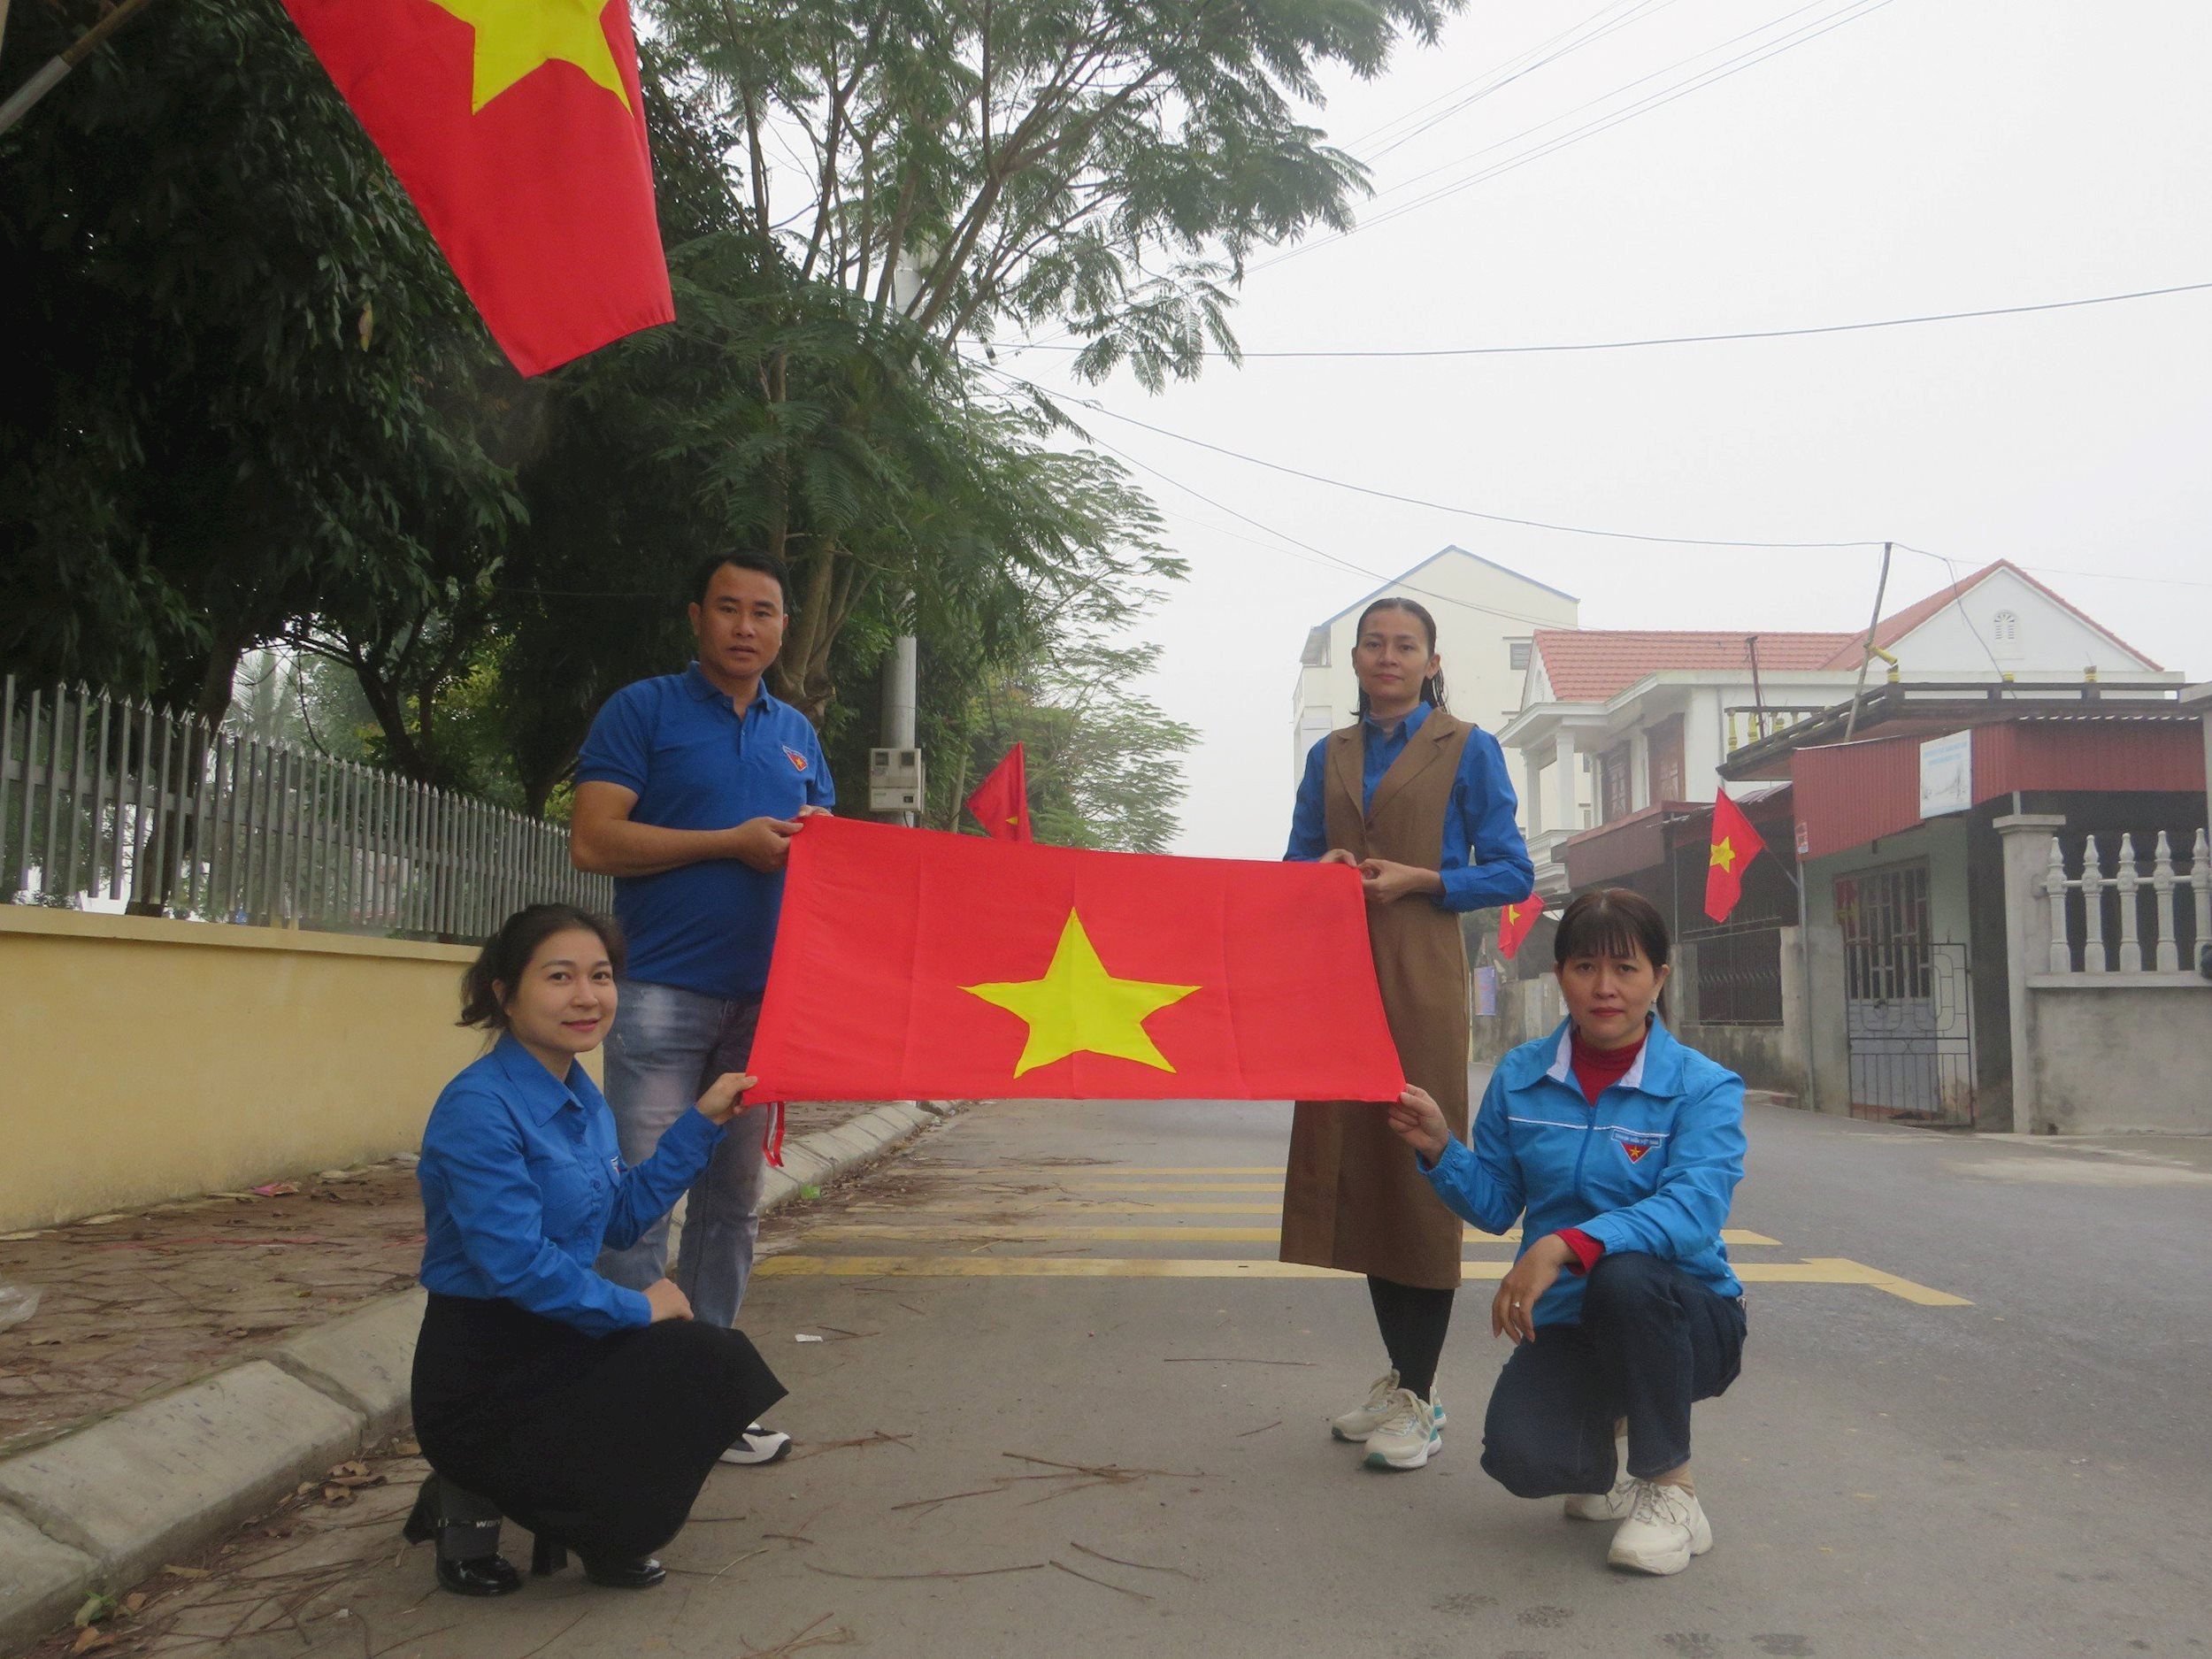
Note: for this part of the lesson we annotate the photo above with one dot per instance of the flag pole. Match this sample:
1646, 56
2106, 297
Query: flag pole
50, 76
1851, 721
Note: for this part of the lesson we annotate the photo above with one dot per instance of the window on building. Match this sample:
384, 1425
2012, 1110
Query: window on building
1615, 785
1664, 747
1516, 654
2006, 625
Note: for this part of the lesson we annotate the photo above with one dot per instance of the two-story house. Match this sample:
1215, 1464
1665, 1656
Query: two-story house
1633, 720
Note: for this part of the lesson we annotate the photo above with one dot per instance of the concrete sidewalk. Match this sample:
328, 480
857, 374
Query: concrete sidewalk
102, 1506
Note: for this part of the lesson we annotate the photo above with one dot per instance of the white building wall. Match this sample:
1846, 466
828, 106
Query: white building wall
2009, 625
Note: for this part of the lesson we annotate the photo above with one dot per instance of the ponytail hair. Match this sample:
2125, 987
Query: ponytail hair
1432, 691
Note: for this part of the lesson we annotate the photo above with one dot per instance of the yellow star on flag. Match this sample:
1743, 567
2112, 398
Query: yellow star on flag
1512, 914
514, 37
1079, 1008
1724, 855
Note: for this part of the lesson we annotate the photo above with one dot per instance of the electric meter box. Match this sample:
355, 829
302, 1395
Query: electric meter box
894, 780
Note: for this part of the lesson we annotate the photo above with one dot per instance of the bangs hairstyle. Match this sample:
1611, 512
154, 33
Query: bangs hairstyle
506, 956
1610, 922
1432, 685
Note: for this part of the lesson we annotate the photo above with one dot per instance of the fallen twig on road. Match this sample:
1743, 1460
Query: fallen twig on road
926, 1504
1262, 1429
1141, 1566
556, 1636
1123, 1588
876, 1437
935, 1572
1233, 1359
802, 1640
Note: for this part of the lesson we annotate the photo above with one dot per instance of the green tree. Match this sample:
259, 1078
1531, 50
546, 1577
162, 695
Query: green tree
238, 370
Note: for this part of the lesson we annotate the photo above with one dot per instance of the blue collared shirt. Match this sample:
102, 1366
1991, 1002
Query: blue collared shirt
695, 764
523, 1185
1483, 861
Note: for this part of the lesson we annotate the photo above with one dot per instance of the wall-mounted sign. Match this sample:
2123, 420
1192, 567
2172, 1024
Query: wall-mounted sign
1947, 774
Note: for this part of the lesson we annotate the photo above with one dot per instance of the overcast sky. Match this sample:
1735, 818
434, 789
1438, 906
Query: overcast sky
1929, 156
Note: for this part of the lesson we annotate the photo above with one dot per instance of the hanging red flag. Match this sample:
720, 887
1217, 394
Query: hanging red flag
1001, 801
1514, 923
917, 965
1735, 844
519, 128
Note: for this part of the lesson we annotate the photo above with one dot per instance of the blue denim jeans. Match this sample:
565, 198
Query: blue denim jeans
657, 1057
1652, 1341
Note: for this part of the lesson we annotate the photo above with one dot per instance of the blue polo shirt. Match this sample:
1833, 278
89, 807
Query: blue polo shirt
694, 764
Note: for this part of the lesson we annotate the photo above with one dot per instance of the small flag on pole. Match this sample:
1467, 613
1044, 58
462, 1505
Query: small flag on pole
1514, 923
1001, 801
1735, 844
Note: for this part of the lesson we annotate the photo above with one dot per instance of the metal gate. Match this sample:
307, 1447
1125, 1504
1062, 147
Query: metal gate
1908, 1015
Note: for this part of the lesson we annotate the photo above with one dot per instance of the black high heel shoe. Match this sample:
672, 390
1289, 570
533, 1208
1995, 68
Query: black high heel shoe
479, 1574
548, 1555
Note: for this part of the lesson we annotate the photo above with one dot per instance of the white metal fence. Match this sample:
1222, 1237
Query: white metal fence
107, 804
2106, 908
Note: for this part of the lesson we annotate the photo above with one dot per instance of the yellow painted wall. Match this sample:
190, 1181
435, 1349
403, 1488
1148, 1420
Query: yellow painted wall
143, 1059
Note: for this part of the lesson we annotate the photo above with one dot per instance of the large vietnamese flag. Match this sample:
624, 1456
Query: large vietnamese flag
519, 128
916, 965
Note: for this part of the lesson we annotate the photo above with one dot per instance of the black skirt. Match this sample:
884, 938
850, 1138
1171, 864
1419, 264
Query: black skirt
601, 1442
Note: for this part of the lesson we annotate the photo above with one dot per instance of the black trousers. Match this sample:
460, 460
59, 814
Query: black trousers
1414, 1321
1652, 1340
601, 1442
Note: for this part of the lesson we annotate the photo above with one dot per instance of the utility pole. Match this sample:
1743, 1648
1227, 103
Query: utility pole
1881, 587
900, 670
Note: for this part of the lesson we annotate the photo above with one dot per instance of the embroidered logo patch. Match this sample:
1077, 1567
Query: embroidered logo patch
1634, 1146
798, 760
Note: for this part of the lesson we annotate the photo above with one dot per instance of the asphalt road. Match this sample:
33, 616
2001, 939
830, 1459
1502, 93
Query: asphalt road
1053, 1414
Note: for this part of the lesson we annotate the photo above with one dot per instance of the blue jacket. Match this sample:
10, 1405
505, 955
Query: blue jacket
523, 1183
1651, 1167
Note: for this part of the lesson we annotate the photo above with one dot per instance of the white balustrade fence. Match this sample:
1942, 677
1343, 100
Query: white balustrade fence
2114, 903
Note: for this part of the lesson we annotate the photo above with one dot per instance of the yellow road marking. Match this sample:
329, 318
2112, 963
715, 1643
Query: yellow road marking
1014, 1227
1824, 1271
1252, 1189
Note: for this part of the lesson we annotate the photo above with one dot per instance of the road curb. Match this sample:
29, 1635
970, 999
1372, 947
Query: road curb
102, 1508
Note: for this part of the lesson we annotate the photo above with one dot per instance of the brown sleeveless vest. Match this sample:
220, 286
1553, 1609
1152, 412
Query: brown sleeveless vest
1353, 1197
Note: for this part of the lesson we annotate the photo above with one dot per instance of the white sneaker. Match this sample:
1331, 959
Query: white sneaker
1356, 1426
1409, 1435
1616, 1505
1664, 1529
757, 1445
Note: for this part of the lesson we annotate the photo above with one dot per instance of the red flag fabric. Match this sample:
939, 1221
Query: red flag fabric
519, 128
1735, 844
918, 965
1514, 923
1001, 801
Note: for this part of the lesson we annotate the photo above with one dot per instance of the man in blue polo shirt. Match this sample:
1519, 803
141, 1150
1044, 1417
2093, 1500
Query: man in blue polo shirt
688, 792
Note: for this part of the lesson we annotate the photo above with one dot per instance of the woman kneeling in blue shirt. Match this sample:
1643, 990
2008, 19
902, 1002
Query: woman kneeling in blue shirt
1618, 1149
589, 1413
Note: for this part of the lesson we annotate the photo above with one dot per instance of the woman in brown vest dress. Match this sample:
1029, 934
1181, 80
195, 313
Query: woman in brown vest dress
1419, 801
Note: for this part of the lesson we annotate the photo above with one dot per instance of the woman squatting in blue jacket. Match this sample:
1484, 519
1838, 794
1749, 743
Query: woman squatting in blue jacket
1618, 1150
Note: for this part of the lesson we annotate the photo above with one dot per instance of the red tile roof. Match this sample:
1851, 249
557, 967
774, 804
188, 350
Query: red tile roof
1896, 626
1594, 665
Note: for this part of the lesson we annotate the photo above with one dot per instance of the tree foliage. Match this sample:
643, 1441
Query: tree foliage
248, 403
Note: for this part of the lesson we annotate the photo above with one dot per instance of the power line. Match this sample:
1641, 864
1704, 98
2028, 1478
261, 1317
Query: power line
1439, 506
1850, 12
1701, 340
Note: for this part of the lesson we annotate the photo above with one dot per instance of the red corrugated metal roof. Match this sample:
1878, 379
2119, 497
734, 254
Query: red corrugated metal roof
1593, 665
1848, 794
2115, 755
